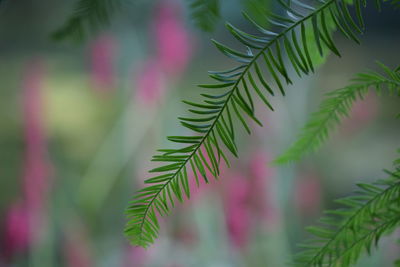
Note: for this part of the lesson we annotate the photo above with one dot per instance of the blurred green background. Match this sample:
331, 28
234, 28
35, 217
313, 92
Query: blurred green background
80, 121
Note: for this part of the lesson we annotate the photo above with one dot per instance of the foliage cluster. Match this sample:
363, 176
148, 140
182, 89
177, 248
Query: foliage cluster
263, 70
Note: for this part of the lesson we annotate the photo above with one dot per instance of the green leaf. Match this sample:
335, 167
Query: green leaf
215, 114
337, 105
349, 232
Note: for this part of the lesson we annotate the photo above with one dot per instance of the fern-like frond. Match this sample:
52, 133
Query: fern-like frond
231, 98
346, 233
88, 16
205, 13
336, 106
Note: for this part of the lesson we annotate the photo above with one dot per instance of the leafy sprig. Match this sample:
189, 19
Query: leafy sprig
348, 232
336, 106
231, 98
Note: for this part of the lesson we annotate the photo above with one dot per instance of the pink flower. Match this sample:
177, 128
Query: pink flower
250, 201
36, 167
16, 236
172, 39
173, 52
150, 83
24, 220
102, 63
237, 213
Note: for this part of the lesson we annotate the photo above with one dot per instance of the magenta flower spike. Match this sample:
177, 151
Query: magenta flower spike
15, 239
172, 39
237, 213
36, 183
24, 218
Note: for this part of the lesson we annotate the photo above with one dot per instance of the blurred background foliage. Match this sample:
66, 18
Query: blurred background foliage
80, 120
